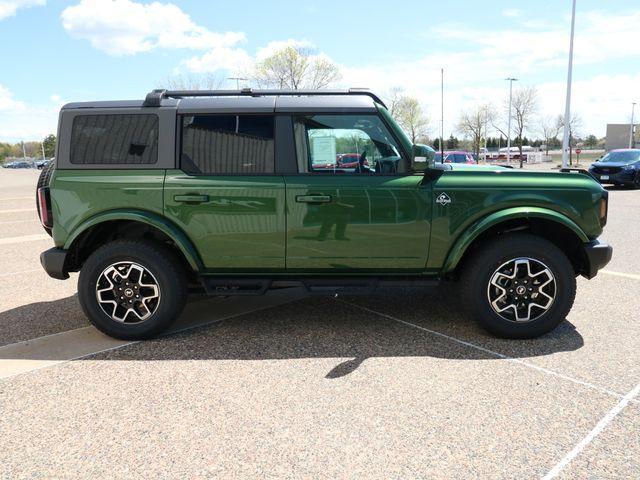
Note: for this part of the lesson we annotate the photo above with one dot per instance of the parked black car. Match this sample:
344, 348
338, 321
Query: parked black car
618, 167
18, 164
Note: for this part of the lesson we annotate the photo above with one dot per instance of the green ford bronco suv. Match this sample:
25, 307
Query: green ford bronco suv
237, 192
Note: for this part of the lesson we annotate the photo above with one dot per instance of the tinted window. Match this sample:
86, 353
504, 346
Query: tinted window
114, 139
227, 144
351, 144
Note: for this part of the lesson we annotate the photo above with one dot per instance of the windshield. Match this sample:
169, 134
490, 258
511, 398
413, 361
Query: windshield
624, 156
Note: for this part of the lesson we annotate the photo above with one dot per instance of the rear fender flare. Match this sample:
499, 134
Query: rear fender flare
181, 240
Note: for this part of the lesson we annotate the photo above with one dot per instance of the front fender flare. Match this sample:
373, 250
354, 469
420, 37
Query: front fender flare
165, 226
465, 240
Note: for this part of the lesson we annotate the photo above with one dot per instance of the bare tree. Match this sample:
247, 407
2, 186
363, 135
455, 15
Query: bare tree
410, 116
548, 129
295, 68
524, 106
575, 123
523, 109
393, 97
473, 125
194, 81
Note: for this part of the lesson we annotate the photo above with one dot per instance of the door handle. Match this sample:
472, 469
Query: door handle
313, 198
191, 198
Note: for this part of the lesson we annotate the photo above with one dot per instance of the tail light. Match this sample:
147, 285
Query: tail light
44, 202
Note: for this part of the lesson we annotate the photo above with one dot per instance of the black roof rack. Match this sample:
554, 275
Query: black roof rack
154, 98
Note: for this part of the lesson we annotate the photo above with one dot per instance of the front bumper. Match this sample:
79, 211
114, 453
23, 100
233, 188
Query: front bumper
54, 263
598, 255
620, 178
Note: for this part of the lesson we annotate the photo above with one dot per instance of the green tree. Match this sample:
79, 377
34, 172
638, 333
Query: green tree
49, 143
591, 141
452, 143
6, 150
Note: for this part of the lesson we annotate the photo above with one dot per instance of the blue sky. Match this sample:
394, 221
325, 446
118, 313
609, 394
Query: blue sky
55, 51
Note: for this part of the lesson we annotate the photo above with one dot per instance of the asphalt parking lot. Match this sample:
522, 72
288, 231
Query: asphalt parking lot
396, 385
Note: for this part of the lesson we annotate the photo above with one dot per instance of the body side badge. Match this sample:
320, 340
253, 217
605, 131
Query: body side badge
443, 199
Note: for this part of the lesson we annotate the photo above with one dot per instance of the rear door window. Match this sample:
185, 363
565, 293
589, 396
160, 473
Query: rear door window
114, 139
227, 144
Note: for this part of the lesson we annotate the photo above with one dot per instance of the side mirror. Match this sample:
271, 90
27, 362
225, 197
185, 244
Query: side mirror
423, 156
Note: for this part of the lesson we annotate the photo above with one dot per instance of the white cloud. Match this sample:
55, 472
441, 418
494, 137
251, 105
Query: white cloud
126, 27
511, 12
235, 60
21, 121
7, 102
474, 75
238, 60
273, 47
548, 46
8, 8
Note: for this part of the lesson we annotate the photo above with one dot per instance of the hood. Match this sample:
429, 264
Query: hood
611, 164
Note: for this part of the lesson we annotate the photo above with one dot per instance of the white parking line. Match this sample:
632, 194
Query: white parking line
19, 221
10, 274
621, 274
50, 350
602, 424
493, 353
17, 210
6, 199
24, 238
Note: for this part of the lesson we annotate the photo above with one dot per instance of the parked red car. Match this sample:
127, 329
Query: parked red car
349, 160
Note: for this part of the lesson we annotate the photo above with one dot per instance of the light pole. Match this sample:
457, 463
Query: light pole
633, 107
441, 115
567, 108
510, 80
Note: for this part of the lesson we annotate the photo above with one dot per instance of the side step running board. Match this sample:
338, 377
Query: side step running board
215, 286
228, 286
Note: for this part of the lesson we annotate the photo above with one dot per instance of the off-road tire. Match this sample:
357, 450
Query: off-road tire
495, 252
160, 262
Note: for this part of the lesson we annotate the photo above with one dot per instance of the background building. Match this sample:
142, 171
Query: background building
618, 136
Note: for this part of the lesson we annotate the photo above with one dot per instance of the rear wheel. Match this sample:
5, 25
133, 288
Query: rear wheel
519, 286
132, 289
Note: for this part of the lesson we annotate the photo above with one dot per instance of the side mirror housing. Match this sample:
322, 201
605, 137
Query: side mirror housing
423, 156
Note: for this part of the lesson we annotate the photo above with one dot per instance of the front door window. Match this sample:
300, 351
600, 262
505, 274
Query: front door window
347, 144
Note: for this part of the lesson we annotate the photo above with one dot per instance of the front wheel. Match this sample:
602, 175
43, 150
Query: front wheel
519, 286
132, 290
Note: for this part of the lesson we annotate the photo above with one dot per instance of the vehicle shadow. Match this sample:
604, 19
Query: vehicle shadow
39, 319
323, 327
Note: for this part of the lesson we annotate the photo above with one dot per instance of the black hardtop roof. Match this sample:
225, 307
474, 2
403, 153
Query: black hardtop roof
247, 100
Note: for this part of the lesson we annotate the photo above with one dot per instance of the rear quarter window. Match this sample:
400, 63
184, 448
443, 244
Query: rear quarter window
114, 139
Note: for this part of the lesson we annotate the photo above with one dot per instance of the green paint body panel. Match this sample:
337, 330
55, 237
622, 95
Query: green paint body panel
483, 197
78, 195
82, 199
238, 226
371, 224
